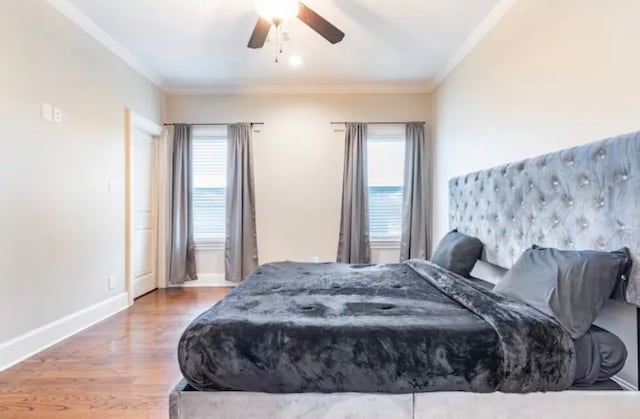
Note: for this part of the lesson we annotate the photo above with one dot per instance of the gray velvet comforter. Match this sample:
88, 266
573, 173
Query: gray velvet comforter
399, 328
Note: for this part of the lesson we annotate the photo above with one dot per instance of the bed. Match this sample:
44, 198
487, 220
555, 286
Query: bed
397, 328
293, 331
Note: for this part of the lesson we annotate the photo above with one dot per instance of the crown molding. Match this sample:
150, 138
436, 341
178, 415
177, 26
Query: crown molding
75, 15
496, 14
291, 89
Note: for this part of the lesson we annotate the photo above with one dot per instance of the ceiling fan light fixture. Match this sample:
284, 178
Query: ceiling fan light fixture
277, 10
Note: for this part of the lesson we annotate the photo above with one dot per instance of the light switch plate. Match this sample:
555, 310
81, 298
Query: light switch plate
57, 115
47, 111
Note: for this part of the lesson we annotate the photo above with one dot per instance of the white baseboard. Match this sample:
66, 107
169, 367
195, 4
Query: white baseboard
208, 280
624, 383
24, 346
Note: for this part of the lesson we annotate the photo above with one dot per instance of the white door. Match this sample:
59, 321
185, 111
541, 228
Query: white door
144, 226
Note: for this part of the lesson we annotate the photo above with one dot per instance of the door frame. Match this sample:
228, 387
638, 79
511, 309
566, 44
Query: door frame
133, 122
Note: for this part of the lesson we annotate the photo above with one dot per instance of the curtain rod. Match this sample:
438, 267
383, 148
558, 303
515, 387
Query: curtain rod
384, 123
211, 124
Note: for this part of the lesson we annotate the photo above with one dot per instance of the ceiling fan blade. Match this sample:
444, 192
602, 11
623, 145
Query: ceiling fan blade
260, 33
320, 24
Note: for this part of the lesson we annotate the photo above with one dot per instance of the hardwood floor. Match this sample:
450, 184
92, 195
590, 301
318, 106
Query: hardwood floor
123, 367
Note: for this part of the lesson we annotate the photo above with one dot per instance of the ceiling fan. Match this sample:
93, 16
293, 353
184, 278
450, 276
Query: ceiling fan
273, 12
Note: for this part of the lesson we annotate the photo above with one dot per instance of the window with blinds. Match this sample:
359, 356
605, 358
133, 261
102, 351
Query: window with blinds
209, 184
385, 154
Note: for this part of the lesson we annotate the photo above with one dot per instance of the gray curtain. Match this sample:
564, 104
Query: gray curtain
241, 244
182, 262
416, 209
353, 245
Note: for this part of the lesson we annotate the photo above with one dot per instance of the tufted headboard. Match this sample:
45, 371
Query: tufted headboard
586, 197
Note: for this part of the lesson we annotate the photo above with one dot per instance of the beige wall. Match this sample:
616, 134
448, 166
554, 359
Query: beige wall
298, 162
61, 234
552, 74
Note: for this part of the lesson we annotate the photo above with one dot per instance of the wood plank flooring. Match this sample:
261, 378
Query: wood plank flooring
123, 367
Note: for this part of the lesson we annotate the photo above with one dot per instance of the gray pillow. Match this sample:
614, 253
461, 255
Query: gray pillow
599, 356
570, 286
457, 253
488, 272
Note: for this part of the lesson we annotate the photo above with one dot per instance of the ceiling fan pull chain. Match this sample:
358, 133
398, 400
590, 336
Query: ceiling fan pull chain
277, 41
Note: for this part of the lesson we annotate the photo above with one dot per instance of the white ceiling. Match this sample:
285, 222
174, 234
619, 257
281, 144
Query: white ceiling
202, 43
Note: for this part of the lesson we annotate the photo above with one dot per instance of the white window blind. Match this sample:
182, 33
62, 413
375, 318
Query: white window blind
385, 154
209, 184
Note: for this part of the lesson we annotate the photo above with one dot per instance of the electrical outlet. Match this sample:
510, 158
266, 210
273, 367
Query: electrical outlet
111, 188
315, 259
57, 115
113, 281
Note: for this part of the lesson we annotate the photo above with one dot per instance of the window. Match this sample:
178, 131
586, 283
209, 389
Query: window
209, 184
385, 153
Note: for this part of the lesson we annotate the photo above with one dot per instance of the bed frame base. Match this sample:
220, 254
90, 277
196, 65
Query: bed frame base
586, 404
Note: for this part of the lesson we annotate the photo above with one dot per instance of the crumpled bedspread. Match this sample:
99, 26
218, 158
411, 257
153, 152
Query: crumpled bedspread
396, 328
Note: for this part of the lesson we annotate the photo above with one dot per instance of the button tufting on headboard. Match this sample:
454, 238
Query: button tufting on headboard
587, 197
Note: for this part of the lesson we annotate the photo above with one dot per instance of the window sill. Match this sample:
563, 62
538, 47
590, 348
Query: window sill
210, 246
385, 244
